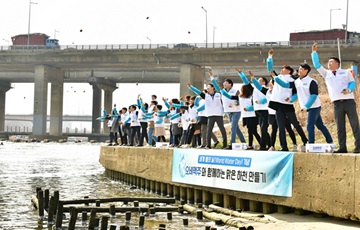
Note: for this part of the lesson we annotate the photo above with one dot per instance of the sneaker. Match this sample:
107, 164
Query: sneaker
341, 151
302, 148
216, 143
185, 146
109, 144
207, 148
294, 148
201, 147
228, 148
271, 149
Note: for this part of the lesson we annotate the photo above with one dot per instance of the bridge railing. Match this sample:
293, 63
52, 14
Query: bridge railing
227, 45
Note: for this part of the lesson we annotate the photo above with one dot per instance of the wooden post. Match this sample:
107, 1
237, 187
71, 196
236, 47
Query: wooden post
97, 222
40, 196
51, 211
169, 215
46, 199
59, 215
128, 216
113, 227
141, 221
37, 191
56, 200
92, 219
104, 222
73, 216
97, 203
136, 203
84, 216
112, 210
86, 203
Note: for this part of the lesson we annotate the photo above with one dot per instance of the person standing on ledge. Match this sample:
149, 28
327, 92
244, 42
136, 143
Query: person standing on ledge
214, 110
341, 85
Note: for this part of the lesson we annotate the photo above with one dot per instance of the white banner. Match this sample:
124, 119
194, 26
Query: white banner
259, 172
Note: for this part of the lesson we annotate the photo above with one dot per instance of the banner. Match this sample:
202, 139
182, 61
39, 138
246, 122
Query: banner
259, 172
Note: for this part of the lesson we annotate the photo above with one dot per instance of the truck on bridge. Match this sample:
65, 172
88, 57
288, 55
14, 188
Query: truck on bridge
326, 36
35, 41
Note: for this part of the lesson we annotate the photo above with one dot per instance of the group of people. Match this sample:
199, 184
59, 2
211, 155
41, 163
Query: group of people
259, 102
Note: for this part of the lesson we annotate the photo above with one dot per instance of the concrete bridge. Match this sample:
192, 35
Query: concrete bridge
104, 68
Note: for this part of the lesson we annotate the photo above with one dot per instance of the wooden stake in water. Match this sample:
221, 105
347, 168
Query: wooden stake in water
59, 215
51, 211
104, 222
92, 219
46, 199
40, 196
73, 216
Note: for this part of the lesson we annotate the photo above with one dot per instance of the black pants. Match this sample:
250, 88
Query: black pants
264, 124
210, 125
281, 121
274, 129
347, 108
135, 130
251, 124
113, 137
143, 133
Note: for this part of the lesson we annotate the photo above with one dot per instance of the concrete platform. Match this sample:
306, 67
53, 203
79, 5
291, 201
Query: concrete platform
322, 182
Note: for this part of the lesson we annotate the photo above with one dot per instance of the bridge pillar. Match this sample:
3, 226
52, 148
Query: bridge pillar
40, 100
108, 87
108, 105
96, 109
56, 103
191, 74
4, 87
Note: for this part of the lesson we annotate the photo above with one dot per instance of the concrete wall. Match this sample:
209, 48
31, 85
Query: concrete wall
322, 183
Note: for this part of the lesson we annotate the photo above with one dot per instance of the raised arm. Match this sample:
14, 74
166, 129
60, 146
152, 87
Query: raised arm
269, 61
242, 76
213, 81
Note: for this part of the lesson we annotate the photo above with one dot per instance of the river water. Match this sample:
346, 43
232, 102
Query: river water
71, 168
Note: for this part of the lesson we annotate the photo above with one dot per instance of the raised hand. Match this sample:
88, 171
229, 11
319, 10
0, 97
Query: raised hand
272, 73
239, 70
271, 52
314, 47
252, 76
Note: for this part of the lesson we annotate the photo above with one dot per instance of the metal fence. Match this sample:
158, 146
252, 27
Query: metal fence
228, 45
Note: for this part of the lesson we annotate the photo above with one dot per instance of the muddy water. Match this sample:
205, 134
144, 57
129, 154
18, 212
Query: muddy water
72, 169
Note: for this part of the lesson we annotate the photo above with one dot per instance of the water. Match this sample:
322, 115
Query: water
72, 169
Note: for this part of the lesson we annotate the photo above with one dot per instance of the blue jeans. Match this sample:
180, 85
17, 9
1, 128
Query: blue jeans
151, 138
234, 118
314, 118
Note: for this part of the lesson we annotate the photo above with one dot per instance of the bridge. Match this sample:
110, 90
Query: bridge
104, 67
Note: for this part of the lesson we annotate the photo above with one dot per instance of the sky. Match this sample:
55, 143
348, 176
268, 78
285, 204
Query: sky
88, 22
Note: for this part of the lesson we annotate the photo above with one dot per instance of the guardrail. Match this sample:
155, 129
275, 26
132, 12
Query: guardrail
228, 45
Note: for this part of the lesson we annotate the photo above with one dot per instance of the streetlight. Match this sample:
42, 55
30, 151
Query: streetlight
346, 28
28, 41
330, 15
149, 40
214, 28
56, 31
206, 25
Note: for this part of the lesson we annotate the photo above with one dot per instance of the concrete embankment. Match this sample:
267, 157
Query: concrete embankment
322, 183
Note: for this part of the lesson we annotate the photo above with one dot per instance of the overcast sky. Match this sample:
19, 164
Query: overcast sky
162, 22
170, 21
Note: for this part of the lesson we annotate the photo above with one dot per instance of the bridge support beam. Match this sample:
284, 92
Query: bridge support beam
41, 80
56, 103
96, 109
4, 87
108, 87
43, 75
191, 74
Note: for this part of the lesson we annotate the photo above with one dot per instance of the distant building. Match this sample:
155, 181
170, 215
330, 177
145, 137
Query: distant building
327, 36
